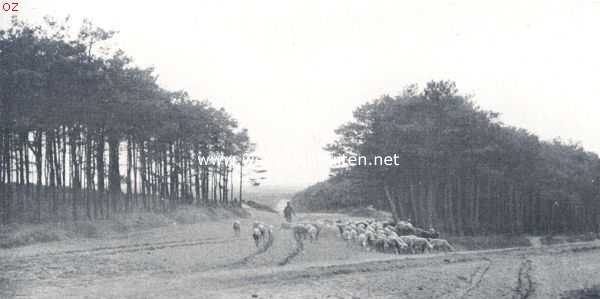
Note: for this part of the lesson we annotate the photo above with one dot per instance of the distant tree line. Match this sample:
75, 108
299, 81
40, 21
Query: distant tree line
84, 133
461, 170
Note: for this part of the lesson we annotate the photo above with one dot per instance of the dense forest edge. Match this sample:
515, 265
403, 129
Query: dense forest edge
461, 170
85, 134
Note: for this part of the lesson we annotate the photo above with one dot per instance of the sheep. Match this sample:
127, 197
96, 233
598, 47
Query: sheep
388, 236
441, 245
360, 230
380, 245
300, 232
341, 228
420, 244
404, 228
256, 235
347, 236
262, 228
386, 245
265, 231
260, 231
370, 238
312, 232
236, 228
408, 240
427, 234
401, 246
389, 224
362, 240
388, 232
315, 229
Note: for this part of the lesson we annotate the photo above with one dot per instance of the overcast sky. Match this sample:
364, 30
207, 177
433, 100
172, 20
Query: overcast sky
292, 71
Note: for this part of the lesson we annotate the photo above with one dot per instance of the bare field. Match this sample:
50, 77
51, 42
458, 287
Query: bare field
206, 261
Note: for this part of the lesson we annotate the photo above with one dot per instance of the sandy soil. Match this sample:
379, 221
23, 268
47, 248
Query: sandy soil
207, 261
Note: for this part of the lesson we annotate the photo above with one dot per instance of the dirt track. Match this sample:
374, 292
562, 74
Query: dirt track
206, 261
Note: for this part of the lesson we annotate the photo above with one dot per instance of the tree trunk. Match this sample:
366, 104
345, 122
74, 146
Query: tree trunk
391, 202
114, 176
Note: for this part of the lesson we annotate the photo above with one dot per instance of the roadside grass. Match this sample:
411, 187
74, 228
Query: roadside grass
260, 206
585, 293
17, 235
487, 242
561, 239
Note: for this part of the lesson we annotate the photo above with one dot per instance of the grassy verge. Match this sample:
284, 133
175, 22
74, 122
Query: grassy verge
586, 293
25, 234
260, 206
561, 239
487, 242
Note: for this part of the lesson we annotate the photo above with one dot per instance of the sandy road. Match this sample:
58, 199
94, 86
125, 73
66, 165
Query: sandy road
207, 261
546, 272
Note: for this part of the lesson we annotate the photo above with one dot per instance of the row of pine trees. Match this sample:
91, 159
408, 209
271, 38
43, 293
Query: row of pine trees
85, 134
461, 170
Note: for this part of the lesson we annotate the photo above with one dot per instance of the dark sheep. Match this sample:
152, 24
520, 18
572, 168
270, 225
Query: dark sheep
341, 229
380, 245
427, 234
389, 223
404, 229
300, 232
256, 235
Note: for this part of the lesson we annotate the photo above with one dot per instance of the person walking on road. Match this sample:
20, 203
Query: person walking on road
288, 212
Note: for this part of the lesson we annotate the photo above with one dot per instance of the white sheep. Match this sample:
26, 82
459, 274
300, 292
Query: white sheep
362, 240
312, 232
236, 228
256, 224
419, 244
441, 245
408, 240
347, 236
401, 246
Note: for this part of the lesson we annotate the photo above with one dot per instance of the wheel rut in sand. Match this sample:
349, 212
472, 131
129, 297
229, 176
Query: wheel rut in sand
245, 260
297, 250
525, 286
476, 278
329, 271
147, 246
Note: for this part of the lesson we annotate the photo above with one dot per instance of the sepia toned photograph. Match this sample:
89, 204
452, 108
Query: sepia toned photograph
337, 149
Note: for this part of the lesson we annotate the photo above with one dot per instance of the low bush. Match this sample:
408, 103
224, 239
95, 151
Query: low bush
30, 235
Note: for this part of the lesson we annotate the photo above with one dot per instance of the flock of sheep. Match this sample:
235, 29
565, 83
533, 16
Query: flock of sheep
261, 232
386, 237
390, 237
303, 231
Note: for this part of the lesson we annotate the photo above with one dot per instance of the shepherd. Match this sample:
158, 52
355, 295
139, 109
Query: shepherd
288, 212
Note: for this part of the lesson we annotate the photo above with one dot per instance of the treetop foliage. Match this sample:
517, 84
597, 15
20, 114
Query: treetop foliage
460, 168
67, 97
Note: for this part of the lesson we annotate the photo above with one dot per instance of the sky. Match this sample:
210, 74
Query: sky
293, 71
